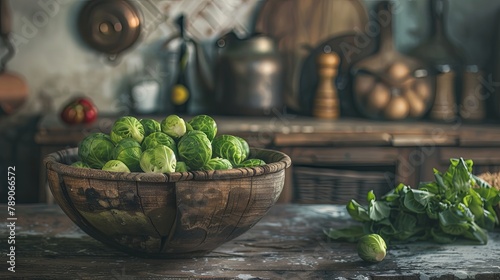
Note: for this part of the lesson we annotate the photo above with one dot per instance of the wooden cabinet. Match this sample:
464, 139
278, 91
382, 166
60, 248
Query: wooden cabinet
334, 161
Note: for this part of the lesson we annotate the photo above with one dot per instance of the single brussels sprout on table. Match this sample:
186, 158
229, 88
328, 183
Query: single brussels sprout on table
217, 164
80, 164
194, 149
129, 152
115, 166
159, 138
371, 248
228, 147
160, 159
150, 126
174, 126
251, 162
181, 167
204, 123
127, 127
96, 149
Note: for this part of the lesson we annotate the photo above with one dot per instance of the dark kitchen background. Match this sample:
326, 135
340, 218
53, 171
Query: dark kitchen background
57, 63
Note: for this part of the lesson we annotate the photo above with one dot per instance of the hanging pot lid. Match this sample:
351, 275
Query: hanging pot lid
109, 26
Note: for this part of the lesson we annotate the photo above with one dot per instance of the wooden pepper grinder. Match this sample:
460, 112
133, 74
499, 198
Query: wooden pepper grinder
326, 103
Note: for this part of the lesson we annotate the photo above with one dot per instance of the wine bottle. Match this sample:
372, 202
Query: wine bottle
180, 94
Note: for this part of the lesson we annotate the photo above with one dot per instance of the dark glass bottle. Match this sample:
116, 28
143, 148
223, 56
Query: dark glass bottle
445, 59
180, 94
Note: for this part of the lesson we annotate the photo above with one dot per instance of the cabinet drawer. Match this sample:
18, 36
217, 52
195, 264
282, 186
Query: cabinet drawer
344, 155
313, 185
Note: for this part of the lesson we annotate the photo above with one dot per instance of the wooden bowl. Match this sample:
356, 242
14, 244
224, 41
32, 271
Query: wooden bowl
181, 214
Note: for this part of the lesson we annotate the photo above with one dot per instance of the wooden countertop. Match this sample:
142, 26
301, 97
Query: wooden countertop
288, 243
293, 130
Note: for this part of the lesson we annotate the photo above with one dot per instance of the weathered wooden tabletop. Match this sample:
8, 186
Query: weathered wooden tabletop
288, 243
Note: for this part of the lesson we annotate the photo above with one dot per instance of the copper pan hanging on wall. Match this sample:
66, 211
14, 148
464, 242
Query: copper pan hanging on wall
110, 26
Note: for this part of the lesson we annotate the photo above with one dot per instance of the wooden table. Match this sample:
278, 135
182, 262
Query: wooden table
288, 243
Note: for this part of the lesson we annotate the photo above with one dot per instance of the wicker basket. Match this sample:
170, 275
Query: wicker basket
331, 186
166, 215
494, 180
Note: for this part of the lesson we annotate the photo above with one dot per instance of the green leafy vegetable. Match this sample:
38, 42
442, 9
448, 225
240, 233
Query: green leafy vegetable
174, 126
96, 149
194, 149
127, 127
457, 204
160, 159
372, 248
204, 123
115, 166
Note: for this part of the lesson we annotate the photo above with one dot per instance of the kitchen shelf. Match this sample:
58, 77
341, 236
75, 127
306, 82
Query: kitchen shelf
405, 152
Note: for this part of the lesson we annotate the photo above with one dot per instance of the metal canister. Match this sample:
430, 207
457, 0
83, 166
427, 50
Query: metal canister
248, 76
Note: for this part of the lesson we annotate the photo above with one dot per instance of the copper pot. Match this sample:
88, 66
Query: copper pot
109, 26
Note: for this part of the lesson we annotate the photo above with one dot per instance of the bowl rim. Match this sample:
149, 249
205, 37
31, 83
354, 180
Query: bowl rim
53, 161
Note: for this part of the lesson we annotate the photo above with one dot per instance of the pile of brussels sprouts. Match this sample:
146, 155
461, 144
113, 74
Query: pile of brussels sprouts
172, 145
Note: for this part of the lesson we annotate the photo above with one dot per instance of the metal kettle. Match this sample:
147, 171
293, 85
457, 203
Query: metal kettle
248, 75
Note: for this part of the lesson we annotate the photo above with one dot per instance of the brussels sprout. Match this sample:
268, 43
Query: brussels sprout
181, 167
228, 147
115, 166
160, 159
251, 162
127, 127
206, 124
194, 149
245, 146
174, 126
371, 248
159, 138
96, 149
217, 164
129, 152
150, 126
188, 127
80, 164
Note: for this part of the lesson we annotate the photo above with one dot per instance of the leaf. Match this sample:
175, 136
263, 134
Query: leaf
350, 234
417, 200
406, 226
474, 202
462, 180
370, 196
431, 187
378, 210
440, 237
357, 211
476, 233
481, 183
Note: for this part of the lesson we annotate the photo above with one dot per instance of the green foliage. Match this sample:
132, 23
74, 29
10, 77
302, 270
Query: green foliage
194, 149
127, 127
150, 126
456, 204
129, 152
96, 149
204, 123
159, 138
115, 166
160, 159
80, 164
174, 126
228, 147
371, 248
217, 164
251, 162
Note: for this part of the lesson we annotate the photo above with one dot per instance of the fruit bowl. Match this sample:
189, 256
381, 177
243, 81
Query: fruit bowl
171, 215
